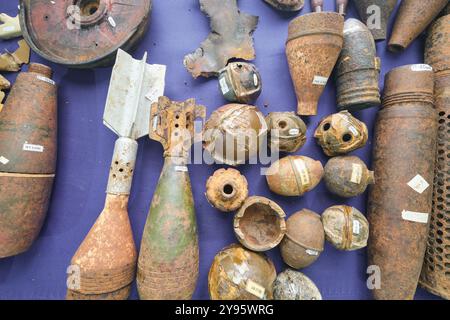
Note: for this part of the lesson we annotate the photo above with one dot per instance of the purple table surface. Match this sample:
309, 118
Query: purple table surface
85, 150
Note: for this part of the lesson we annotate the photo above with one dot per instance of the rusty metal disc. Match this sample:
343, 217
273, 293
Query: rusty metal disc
83, 33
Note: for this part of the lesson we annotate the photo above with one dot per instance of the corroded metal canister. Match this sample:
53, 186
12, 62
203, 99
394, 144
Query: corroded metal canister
375, 14
435, 275
403, 161
240, 82
313, 46
83, 33
358, 69
412, 19
28, 142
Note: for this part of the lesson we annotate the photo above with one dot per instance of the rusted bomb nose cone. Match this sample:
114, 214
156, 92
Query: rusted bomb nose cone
413, 18
313, 46
375, 14
28, 133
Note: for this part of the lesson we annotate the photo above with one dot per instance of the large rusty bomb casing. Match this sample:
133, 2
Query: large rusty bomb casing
287, 131
83, 33
404, 153
294, 285
28, 142
436, 268
412, 19
240, 274
313, 46
358, 69
371, 10
304, 240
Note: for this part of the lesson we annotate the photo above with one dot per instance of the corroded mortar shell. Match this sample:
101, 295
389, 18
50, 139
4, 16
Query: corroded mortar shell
240, 274
304, 239
28, 143
404, 161
294, 175
287, 5
287, 131
227, 189
313, 46
341, 133
413, 18
346, 228
294, 285
233, 134
358, 69
240, 82
259, 224
347, 176
375, 14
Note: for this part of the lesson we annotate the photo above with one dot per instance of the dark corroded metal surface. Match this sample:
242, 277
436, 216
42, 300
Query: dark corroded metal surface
28, 132
287, 5
435, 275
358, 69
240, 274
83, 33
287, 131
375, 14
314, 43
231, 37
413, 18
404, 147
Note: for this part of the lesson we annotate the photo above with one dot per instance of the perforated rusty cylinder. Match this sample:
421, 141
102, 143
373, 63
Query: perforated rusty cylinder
347, 176
403, 161
28, 142
259, 224
375, 14
435, 275
313, 46
304, 239
358, 69
294, 285
240, 274
294, 175
287, 5
240, 82
412, 19
287, 131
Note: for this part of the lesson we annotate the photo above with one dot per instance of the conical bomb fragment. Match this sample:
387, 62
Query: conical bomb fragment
28, 142
375, 14
313, 46
358, 69
412, 19
168, 259
104, 265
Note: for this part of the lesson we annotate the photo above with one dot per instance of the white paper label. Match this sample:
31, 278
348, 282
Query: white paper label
419, 217
112, 22
45, 79
353, 130
181, 168
3, 160
255, 289
32, 147
418, 184
312, 252
356, 173
224, 86
320, 81
421, 67
302, 171
255, 80
294, 132
356, 227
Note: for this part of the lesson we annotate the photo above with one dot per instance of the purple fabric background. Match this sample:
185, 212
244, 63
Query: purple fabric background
85, 150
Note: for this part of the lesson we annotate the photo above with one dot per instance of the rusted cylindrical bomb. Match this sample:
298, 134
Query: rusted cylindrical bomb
260, 224
313, 46
234, 133
346, 228
304, 239
287, 131
287, 5
347, 176
375, 14
28, 142
240, 274
413, 18
294, 175
403, 160
358, 69
227, 189
240, 82
294, 285
341, 7
341, 133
